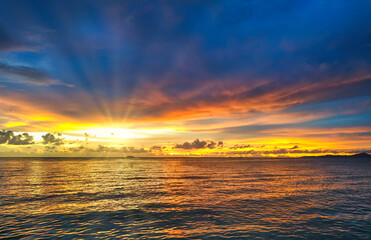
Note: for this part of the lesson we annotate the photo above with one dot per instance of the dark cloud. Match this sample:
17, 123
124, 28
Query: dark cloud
240, 146
8, 137
213, 144
5, 136
156, 148
24, 74
49, 138
197, 144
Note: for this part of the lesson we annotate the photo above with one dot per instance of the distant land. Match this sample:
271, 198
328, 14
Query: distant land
358, 155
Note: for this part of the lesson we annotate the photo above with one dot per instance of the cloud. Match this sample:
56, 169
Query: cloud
5, 136
50, 148
24, 74
244, 62
107, 149
197, 144
156, 148
213, 144
134, 150
7, 43
8, 137
315, 151
51, 139
282, 151
240, 146
77, 149
102, 148
86, 137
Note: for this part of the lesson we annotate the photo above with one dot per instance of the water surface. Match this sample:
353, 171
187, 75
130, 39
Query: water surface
185, 198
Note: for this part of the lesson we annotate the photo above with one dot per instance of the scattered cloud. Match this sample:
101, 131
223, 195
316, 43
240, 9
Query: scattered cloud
156, 148
8, 137
197, 144
49, 138
77, 149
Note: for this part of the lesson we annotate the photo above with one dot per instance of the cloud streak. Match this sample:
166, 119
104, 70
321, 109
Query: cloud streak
8, 44
24, 74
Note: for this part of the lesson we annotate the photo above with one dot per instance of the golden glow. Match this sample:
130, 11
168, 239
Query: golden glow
175, 127
105, 133
119, 133
15, 124
42, 118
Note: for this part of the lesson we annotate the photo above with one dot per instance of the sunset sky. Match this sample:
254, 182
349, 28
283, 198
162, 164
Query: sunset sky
196, 78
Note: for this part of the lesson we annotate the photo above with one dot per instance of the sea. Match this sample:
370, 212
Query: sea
185, 198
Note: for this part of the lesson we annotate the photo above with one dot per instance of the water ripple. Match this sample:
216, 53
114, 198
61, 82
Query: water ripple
184, 198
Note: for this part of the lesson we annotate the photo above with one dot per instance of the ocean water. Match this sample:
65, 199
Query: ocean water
185, 198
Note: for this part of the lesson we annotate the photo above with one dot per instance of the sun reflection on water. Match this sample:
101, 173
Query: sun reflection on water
181, 198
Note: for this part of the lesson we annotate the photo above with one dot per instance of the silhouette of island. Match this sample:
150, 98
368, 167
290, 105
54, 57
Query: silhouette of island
363, 155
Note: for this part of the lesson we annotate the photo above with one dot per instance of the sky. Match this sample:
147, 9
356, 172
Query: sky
214, 78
